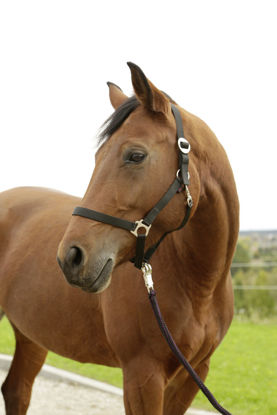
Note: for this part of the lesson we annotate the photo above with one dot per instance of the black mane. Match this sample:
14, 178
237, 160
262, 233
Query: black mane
117, 118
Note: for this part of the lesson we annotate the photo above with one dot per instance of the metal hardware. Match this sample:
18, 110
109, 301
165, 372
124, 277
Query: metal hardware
147, 276
178, 174
140, 224
189, 198
186, 149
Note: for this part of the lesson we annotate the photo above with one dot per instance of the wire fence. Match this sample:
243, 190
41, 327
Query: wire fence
254, 265
255, 289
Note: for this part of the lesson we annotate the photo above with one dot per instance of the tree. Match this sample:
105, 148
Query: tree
242, 254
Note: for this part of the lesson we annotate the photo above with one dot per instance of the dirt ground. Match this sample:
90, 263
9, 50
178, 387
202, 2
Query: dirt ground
58, 398
64, 394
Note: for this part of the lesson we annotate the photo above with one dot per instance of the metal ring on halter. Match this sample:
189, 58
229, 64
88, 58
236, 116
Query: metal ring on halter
186, 149
140, 224
178, 174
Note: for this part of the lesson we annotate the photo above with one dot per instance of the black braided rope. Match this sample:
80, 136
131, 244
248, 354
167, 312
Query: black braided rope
175, 349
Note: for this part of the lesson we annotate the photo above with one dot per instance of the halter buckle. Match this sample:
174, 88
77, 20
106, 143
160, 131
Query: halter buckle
147, 276
184, 145
140, 224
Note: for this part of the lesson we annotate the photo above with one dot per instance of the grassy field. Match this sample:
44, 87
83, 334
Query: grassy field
243, 373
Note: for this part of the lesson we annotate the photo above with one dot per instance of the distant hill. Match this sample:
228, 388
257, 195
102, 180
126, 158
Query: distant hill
263, 239
259, 232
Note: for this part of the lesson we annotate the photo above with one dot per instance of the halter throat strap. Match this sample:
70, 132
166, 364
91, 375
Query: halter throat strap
142, 227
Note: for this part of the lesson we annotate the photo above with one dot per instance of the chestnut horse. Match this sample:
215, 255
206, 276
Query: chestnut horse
135, 164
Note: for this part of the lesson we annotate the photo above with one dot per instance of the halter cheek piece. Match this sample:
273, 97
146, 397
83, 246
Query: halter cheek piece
141, 228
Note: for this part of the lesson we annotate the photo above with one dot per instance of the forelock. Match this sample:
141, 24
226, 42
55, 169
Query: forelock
112, 124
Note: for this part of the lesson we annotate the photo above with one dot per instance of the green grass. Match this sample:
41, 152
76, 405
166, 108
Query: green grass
243, 372
6, 337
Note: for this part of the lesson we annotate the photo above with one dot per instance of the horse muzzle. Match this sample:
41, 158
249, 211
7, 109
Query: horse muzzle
91, 276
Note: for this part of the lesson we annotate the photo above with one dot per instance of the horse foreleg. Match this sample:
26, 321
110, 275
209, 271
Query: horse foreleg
181, 391
27, 362
143, 388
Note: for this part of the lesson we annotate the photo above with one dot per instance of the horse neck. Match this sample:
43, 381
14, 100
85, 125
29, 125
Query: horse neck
203, 250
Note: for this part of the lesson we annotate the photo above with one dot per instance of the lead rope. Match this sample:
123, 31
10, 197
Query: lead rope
147, 275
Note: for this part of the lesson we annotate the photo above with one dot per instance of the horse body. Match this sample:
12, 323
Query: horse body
116, 327
29, 282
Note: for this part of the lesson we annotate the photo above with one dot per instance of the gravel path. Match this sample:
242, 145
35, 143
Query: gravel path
59, 398
58, 392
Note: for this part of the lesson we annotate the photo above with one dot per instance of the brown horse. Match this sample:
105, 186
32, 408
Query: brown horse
135, 165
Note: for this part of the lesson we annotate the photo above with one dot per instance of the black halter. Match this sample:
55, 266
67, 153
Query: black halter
142, 227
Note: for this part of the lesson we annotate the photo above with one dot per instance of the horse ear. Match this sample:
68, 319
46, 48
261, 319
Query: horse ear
151, 97
117, 97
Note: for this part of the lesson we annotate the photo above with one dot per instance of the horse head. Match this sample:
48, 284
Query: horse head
135, 164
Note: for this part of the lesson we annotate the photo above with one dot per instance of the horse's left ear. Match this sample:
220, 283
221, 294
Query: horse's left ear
151, 97
117, 97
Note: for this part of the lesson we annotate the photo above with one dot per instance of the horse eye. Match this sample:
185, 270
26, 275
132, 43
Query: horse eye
135, 157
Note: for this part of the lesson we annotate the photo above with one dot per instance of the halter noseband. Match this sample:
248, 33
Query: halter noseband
141, 228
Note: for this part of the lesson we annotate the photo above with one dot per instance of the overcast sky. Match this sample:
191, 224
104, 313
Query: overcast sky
216, 58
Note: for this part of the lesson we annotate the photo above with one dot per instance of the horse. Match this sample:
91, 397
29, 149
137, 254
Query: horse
94, 307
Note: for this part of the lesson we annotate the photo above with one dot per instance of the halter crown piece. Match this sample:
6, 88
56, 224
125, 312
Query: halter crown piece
141, 228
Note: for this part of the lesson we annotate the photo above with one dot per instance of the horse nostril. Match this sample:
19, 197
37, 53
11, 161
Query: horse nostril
72, 264
74, 256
